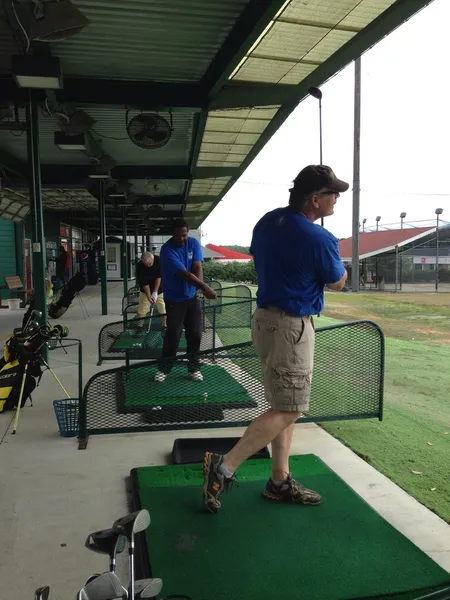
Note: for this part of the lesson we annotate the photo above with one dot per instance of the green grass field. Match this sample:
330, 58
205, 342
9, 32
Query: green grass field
412, 444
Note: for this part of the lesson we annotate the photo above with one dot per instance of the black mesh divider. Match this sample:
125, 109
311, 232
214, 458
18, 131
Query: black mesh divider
347, 384
222, 325
131, 298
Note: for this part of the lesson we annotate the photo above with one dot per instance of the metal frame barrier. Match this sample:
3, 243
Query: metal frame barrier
348, 383
222, 325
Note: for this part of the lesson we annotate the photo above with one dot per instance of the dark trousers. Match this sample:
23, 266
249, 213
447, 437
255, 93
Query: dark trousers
179, 314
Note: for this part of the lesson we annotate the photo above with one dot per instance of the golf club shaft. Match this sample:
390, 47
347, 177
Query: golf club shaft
150, 319
131, 592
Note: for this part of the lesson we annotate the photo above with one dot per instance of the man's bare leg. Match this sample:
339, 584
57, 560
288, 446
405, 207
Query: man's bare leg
258, 434
281, 447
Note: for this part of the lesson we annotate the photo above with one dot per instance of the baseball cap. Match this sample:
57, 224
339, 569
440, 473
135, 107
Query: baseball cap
316, 177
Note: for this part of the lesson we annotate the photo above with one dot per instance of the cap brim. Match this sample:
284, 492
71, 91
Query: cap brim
339, 186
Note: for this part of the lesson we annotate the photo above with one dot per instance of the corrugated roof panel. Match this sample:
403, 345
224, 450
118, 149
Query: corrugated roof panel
242, 149
328, 11
208, 187
185, 37
286, 40
259, 69
365, 12
257, 112
334, 40
297, 73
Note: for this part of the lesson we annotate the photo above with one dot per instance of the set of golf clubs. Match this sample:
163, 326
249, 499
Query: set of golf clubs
107, 586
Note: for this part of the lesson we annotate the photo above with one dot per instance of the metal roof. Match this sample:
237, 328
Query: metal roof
224, 74
379, 242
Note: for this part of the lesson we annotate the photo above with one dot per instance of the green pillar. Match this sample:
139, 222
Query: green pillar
124, 251
37, 218
136, 249
20, 257
102, 257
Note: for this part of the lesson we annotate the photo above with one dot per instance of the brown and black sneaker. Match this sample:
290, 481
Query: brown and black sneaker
215, 483
291, 491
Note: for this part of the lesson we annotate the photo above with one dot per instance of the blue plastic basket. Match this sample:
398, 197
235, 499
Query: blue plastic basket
66, 412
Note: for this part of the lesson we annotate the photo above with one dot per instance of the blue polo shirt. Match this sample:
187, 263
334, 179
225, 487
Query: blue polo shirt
175, 259
294, 259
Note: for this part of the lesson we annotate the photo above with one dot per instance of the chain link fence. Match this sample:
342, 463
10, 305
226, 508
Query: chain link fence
347, 384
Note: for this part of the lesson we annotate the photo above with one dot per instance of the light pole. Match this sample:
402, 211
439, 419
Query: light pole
316, 93
402, 216
364, 222
437, 212
378, 219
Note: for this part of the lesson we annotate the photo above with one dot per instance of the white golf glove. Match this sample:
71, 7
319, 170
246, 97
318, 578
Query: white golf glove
155, 296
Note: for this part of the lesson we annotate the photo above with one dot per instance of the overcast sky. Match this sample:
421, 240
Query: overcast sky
405, 138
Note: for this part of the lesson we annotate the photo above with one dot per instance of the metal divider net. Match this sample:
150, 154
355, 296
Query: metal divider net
222, 324
347, 384
131, 298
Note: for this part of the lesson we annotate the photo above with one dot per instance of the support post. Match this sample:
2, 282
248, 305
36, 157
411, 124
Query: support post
147, 242
124, 251
136, 249
396, 268
102, 258
436, 284
356, 177
37, 218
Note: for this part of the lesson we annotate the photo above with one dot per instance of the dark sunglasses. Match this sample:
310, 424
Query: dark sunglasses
329, 193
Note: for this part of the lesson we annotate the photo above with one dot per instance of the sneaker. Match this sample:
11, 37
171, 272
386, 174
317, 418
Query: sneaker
291, 491
214, 483
196, 376
160, 377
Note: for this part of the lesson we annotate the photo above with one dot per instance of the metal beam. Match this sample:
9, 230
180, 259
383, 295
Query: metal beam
197, 137
253, 21
71, 174
246, 94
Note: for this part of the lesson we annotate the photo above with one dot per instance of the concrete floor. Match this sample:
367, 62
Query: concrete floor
52, 495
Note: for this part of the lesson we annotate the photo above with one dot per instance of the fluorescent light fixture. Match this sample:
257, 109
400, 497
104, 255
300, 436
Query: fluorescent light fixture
116, 195
99, 176
39, 72
56, 20
69, 142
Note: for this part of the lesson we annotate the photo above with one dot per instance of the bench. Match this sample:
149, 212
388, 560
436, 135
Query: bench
14, 285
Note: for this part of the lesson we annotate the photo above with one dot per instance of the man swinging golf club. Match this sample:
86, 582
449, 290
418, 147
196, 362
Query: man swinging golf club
148, 278
294, 260
182, 272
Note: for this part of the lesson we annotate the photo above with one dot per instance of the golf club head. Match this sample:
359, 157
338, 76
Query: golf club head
132, 523
147, 588
42, 593
106, 541
315, 92
37, 314
105, 587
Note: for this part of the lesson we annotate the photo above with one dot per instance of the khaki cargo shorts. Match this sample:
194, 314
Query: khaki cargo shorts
285, 345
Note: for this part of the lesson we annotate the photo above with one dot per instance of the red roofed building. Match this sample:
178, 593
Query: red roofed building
380, 242
228, 255
389, 258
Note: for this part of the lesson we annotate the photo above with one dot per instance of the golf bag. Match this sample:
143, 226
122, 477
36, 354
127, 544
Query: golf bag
66, 294
12, 369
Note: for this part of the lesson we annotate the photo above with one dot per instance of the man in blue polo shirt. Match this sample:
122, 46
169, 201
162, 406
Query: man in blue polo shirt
294, 260
182, 274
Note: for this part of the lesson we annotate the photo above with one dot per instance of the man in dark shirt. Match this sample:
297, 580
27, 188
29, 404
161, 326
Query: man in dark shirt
148, 278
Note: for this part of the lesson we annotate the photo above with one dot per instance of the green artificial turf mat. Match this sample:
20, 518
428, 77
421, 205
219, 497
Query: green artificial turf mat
255, 549
218, 387
128, 340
